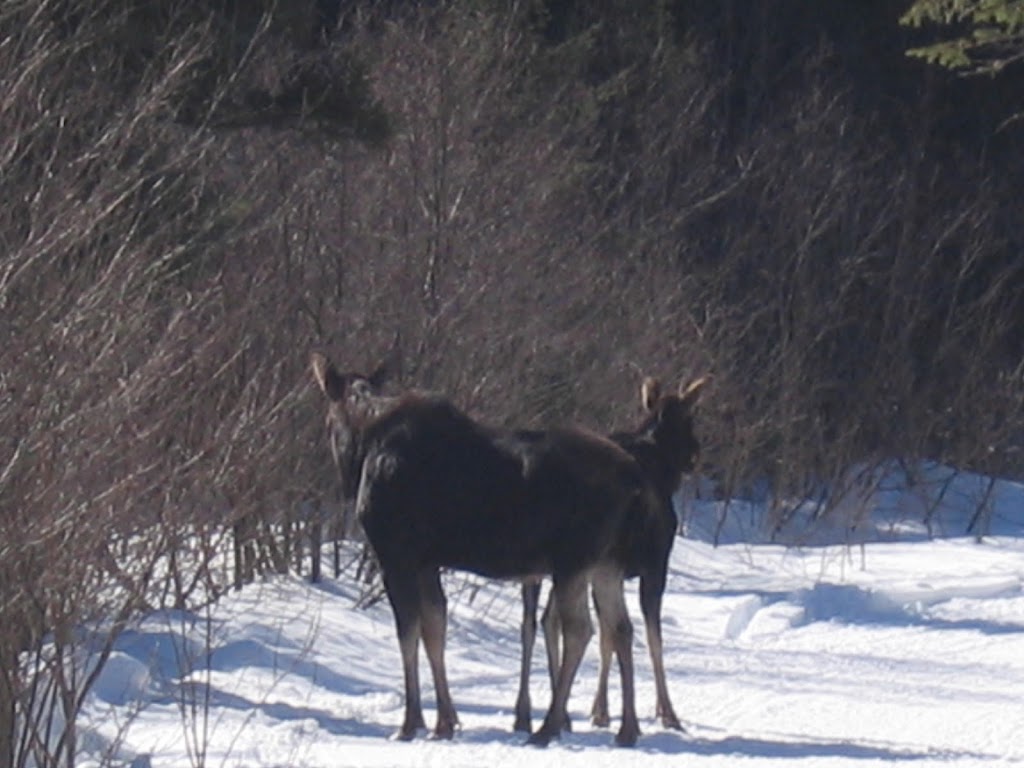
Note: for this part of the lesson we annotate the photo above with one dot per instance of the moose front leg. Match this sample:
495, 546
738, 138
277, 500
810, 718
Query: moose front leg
403, 595
651, 591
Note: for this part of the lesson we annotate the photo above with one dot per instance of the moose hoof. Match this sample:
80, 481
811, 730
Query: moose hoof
600, 719
444, 730
411, 725
672, 722
522, 725
550, 729
626, 737
540, 739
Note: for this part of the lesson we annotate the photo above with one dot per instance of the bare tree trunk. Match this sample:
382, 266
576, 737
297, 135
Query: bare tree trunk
316, 533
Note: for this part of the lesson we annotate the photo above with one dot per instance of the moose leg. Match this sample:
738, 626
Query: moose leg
528, 636
434, 612
570, 595
615, 623
651, 591
404, 597
599, 711
552, 624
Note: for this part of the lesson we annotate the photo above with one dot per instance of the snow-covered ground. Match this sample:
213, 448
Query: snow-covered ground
909, 650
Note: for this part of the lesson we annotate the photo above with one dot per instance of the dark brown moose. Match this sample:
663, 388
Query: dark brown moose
665, 447
439, 490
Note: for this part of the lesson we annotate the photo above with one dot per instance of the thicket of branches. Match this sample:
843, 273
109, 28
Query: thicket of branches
541, 201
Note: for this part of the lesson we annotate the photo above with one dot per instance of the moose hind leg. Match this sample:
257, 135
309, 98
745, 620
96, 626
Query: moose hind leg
528, 636
434, 613
615, 624
599, 711
571, 596
552, 624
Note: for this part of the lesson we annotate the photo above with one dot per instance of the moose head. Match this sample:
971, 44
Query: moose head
354, 399
670, 420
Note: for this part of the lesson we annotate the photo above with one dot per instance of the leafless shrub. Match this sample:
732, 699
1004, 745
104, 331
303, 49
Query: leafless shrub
537, 224
125, 395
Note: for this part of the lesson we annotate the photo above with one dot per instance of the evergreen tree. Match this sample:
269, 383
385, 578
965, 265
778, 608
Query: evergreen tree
987, 35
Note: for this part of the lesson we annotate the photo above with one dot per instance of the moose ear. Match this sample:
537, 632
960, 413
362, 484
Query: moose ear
650, 393
327, 376
390, 366
690, 393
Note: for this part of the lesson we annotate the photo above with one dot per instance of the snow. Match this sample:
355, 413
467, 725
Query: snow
890, 647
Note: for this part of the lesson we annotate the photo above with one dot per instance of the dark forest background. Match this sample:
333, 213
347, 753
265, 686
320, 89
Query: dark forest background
528, 204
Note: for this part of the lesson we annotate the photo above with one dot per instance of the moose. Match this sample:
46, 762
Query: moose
665, 447
437, 489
